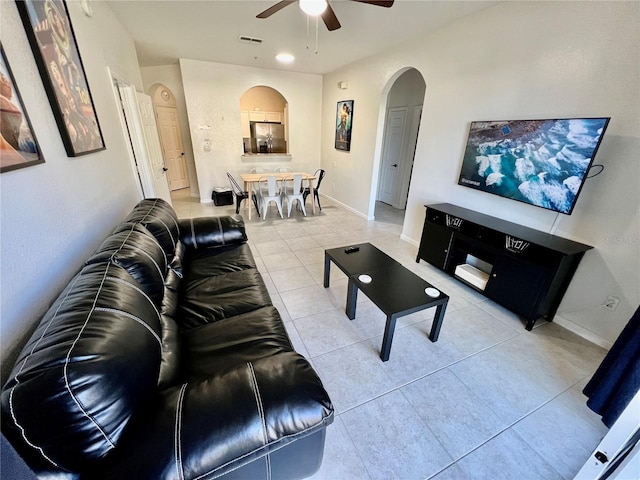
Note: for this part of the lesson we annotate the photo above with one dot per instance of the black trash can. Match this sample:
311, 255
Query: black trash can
222, 196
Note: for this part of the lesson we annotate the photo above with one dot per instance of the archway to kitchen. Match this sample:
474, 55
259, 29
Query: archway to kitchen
264, 118
401, 102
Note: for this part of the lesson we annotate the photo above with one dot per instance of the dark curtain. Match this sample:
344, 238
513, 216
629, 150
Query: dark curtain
617, 379
12, 466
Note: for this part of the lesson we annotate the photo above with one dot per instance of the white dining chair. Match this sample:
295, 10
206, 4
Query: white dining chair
295, 193
282, 170
259, 170
269, 192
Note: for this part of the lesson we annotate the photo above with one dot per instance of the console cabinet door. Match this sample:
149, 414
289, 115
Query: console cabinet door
435, 244
517, 285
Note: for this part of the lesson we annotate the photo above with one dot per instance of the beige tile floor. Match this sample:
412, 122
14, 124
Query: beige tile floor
489, 400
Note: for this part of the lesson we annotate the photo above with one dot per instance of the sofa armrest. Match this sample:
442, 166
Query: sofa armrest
208, 232
209, 427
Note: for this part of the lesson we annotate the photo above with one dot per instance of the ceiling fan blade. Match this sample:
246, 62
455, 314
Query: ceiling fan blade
378, 3
275, 8
330, 20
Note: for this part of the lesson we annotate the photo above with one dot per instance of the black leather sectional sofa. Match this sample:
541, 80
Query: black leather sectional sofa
164, 358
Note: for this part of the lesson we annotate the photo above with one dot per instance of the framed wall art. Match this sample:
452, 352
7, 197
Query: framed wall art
344, 122
18, 144
54, 46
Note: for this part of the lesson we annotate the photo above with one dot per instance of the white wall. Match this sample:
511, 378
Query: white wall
54, 215
518, 60
169, 75
212, 93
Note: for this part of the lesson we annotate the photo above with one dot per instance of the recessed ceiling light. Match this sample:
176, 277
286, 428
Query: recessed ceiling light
285, 58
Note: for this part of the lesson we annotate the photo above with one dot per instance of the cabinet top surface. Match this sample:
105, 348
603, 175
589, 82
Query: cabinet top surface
524, 233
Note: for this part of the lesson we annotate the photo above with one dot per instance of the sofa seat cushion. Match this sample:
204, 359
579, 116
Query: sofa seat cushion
214, 298
223, 345
206, 428
91, 362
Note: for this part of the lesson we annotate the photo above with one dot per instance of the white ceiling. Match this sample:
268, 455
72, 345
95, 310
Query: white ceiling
208, 30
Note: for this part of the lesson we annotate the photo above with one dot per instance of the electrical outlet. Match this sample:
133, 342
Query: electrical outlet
611, 303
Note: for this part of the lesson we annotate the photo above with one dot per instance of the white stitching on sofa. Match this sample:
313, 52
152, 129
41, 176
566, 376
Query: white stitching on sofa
301, 434
152, 207
111, 258
17, 380
15, 420
68, 358
139, 290
265, 438
173, 240
177, 272
177, 434
153, 239
132, 317
153, 261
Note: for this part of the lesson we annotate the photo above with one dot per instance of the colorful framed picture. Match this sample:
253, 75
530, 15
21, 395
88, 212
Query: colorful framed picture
344, 122
18, 145
53, 42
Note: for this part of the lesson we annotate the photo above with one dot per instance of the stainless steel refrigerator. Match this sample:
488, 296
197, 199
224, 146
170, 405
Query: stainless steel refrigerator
267, 138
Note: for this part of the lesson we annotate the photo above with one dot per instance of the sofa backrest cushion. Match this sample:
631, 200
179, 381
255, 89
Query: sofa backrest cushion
175, 272
212, 232
159, 217
92, 361
170, 360
140, 254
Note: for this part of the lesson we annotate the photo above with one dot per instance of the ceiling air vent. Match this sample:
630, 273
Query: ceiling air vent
250, 40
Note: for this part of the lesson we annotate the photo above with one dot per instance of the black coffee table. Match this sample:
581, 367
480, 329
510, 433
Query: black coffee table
394, 289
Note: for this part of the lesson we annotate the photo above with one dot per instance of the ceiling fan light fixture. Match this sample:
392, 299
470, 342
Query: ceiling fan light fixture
313, 7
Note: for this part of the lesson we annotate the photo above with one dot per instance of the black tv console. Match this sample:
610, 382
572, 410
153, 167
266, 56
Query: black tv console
522, 269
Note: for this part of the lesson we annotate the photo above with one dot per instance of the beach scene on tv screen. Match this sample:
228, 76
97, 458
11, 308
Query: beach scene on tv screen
541, 162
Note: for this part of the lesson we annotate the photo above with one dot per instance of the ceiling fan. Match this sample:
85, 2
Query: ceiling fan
328, 16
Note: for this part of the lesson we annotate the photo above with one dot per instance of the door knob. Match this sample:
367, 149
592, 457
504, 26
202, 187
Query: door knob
164, 169
394, 165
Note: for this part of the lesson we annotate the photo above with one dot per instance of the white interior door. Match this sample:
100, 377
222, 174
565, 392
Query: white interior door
407, 165
617, 456
154, 149
392, 154
172, 147
141, 124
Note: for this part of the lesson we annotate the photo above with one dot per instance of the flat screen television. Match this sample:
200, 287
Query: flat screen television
540, 162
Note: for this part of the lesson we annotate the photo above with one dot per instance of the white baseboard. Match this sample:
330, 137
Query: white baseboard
346, 207
413, 242
582, 332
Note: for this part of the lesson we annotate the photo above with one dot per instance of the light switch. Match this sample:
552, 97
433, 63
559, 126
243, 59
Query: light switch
206, 145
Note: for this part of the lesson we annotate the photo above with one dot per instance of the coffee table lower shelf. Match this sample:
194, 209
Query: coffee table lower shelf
392, 288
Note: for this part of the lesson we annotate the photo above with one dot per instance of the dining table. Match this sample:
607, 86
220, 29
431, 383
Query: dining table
250, 178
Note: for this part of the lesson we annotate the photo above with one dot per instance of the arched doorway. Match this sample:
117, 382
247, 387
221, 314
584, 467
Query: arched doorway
403, 111
263, 114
